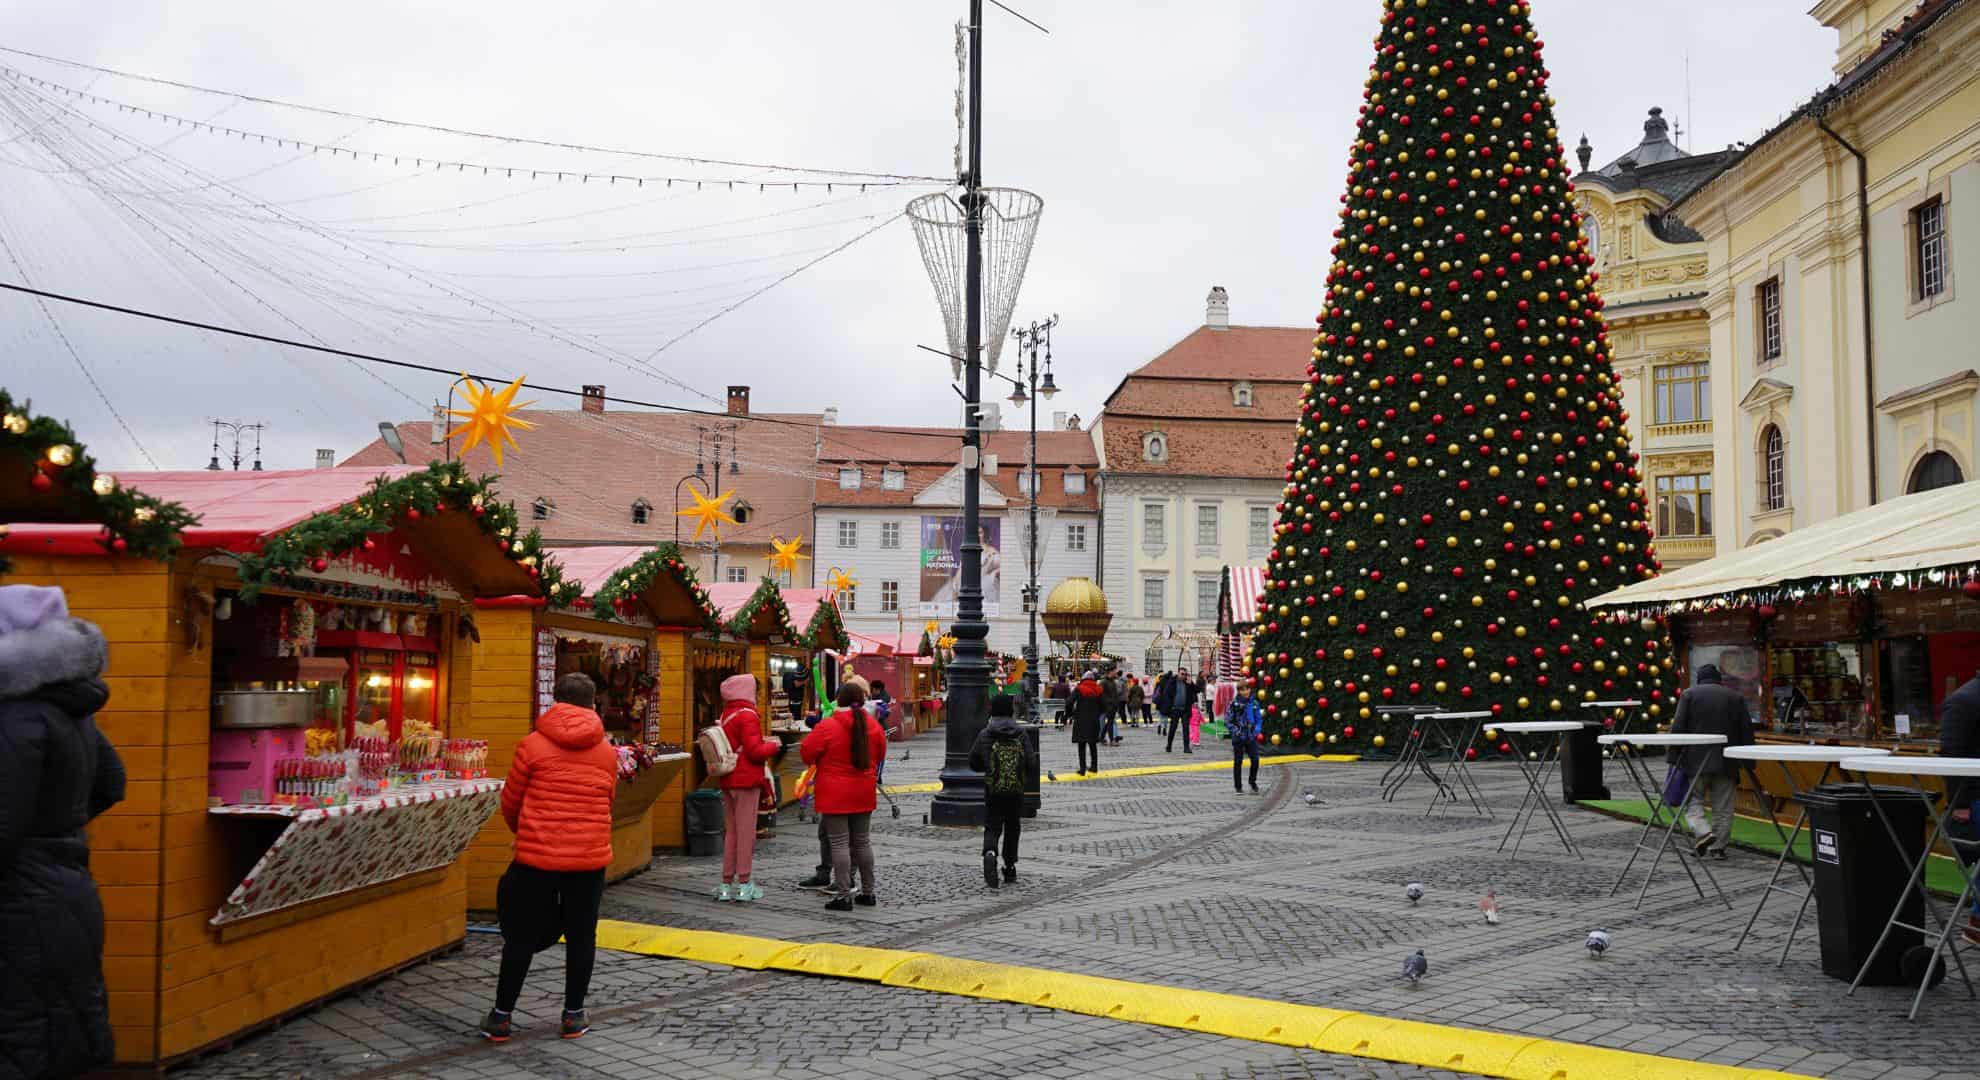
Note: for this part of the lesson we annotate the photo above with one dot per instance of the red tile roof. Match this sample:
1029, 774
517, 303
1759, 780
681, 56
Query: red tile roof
593, 466
1218, 448
1240, 352
927, 458
1186, 393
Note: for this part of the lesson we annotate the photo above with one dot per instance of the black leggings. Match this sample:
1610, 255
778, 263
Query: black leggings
1002, 819
1238, 751
534, 907
1086, 748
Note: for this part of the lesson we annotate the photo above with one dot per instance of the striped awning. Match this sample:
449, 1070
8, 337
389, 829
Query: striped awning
1244, 590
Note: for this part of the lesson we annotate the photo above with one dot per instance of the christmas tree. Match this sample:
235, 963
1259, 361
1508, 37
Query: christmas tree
1462, 478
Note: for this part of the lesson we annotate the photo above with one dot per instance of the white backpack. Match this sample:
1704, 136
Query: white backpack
716, 751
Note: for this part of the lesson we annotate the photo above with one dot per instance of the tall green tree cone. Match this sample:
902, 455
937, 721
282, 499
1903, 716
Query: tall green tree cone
1462, 478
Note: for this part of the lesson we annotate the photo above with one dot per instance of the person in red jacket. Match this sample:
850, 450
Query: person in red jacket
742, 789
558, 802
846, 789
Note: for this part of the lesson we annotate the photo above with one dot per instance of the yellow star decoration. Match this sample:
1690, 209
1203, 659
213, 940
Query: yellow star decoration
946, 641
840, 581
491, 417
932, 628
708, 513
784, 554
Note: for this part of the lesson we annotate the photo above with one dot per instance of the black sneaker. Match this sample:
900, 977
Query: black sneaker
496, 1027
1254, 789
990, 868
1721, 855
1701, 845
817, 882
576, 1024
839, 903
1010, 877
866, 899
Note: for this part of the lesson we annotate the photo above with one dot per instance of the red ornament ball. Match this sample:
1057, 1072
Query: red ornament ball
412, 514
41, 482
1766, 611
120, 544
1971, 588
1347, 732
370, 544
319, 564
1471, 753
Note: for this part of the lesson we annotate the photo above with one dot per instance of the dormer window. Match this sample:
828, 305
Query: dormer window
1241, 395
1075, 482
642, 511
1155, 448
849, 479
541, 509
893, 478
742, 512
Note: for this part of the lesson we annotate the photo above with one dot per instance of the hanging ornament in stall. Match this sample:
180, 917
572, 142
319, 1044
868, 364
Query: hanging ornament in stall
491, 417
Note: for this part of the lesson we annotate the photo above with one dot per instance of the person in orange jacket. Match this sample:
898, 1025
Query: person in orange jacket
742, 789
847, 789
558, 802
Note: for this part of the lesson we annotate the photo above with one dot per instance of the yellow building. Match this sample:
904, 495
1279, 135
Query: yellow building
1844, 364
1653, 272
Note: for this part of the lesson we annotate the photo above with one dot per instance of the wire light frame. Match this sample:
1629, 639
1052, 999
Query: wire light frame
1010, 223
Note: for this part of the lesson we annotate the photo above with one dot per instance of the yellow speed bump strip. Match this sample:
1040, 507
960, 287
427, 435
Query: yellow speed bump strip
1148, 770
1334, 1031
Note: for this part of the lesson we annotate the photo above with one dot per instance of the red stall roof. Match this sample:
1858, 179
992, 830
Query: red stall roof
592, 565
237, 510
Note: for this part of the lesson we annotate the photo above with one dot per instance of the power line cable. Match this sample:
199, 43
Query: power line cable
519, 140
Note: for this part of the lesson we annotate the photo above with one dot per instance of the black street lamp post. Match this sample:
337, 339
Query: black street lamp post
1029, 339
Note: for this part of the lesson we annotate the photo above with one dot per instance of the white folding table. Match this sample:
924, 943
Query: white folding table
1467, 724
1945, 942
1782, 757
1653, 796
1626, 707
1409, 758
1536, 774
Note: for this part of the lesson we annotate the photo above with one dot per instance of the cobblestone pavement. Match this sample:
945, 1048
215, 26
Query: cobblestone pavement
1170, 879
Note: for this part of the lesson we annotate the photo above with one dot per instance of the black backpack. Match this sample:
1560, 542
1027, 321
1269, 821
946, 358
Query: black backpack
1006, 775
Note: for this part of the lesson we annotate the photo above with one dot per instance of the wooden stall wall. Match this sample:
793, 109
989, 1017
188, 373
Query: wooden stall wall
502, 711
676, 708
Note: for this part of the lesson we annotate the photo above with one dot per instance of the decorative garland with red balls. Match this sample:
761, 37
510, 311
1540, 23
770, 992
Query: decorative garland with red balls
443, 487
825, 625
62, 486
618, 598
766, 593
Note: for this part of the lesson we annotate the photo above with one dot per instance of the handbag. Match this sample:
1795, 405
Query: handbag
1676, 784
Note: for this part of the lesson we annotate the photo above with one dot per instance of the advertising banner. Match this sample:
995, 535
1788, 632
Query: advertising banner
941, 560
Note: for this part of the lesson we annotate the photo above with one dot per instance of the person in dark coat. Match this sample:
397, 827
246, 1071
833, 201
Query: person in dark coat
57, 773
1000, 746
1710, 708
1183, 694
1088, 707
1959, 736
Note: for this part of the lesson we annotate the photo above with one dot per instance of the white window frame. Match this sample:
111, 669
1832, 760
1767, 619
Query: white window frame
1930, 250
1216, 587
850, 479
1769, 318
1773, 469
1258, 541
893, 479
1154, 524
849, 599
1159, 585
849, 535
736, 575
890, 597
1242, 395
1076, 536
1215, 520
890, 536
1075, 482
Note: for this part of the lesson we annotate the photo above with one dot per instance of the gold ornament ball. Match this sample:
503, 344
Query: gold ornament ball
104, 484
62, 454
1491, 733
1379, 742
144, 513
1275, 740
15, 423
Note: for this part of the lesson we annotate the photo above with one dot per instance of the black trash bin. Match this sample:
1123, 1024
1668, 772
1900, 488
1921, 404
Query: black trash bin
1581, 765
704, 822
1858, 876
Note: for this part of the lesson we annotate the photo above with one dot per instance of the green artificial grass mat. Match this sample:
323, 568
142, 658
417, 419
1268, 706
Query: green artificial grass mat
1941, 874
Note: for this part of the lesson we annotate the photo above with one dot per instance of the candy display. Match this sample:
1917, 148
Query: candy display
467, 759
311, 781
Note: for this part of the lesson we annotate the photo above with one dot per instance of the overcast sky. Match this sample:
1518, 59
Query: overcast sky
1177, 145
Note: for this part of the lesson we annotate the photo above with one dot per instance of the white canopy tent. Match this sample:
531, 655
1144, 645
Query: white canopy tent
1929, 538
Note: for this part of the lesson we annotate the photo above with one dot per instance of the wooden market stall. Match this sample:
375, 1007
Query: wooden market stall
897, 660
1850, 632
630, 636
291, 695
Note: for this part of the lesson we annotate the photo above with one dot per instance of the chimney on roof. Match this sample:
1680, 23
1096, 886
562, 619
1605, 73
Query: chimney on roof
594, 397
830, 415
1217, 315
1059, 421
738, 401
436, 432
326, 459
1072, 423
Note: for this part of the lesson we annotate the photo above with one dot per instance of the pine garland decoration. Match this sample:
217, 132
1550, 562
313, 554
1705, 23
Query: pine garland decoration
51, 476
766, 594
825, 624
441, 487
616, 597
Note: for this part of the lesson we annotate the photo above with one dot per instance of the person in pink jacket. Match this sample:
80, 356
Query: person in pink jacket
846, 748
742, 789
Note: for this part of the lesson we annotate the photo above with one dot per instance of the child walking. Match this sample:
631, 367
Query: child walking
1006, 760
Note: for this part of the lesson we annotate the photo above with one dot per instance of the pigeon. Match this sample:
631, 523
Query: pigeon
1415, 967
1311, 798
1414, 891
1598, 942
906, 754
1052, 776
1490, 906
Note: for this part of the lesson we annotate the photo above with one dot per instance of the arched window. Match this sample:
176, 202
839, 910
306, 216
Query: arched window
742, 512
1773, 469
642, 511
1934, 471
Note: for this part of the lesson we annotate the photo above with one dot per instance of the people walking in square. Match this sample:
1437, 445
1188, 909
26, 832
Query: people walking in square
742, 788
1710, 708
1005, 758
558, 802
847, 748
1137, 701
1087, 706
1247, 728
1959, 736
1182, 698
57, 773
1062, 693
